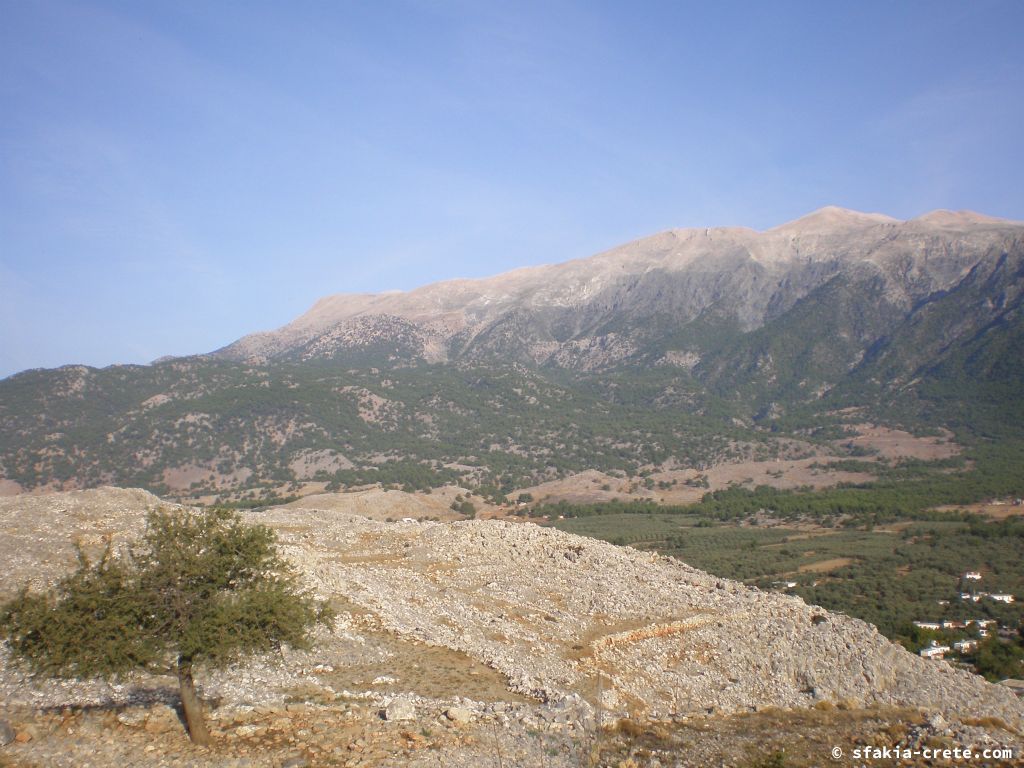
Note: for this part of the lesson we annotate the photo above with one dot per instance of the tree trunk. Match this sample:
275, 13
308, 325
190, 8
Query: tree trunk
193, 708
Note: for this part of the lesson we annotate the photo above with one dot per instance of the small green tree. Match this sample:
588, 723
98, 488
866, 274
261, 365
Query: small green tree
200, 587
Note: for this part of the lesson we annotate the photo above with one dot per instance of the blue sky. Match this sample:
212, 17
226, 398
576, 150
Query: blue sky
174, 175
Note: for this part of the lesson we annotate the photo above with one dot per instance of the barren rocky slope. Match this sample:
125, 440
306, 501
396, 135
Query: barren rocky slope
591, 312
511, 623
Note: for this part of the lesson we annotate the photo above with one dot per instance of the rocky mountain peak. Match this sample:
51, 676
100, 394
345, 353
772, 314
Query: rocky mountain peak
832, 219
548, 313
943, 219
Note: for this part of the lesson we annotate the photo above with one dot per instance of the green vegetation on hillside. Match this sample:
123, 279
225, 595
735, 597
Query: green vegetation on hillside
246, 427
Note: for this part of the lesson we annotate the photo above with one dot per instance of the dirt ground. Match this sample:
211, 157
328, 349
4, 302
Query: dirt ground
378, 504
824, 566
994, 511
353, 734
593, 486
895, 443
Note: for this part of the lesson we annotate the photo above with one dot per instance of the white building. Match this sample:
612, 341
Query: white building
965, 646
1003, 598
928, 625
973, 575
934, 651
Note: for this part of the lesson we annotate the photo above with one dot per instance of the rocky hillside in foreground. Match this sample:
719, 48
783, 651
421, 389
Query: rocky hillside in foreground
688, 348
511, 624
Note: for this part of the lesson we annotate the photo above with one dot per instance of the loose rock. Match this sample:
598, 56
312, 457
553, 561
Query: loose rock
459, 715
7, 733
400, 709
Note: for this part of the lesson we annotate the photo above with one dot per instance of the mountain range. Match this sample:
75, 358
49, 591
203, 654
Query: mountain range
682, 347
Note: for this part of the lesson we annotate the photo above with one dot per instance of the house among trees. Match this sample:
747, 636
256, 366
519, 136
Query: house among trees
965, 646
973, 575
934, 651
1002, 598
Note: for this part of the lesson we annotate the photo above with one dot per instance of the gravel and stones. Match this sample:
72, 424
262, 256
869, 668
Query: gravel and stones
471, 637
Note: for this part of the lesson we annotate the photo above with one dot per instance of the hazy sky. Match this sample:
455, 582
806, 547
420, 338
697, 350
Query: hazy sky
176, 174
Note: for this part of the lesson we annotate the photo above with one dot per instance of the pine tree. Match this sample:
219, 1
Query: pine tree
198, 588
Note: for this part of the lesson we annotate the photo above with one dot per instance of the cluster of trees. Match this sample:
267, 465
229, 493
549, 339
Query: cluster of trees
268, 500
614, 507
464, 506
408, 475
999, 659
